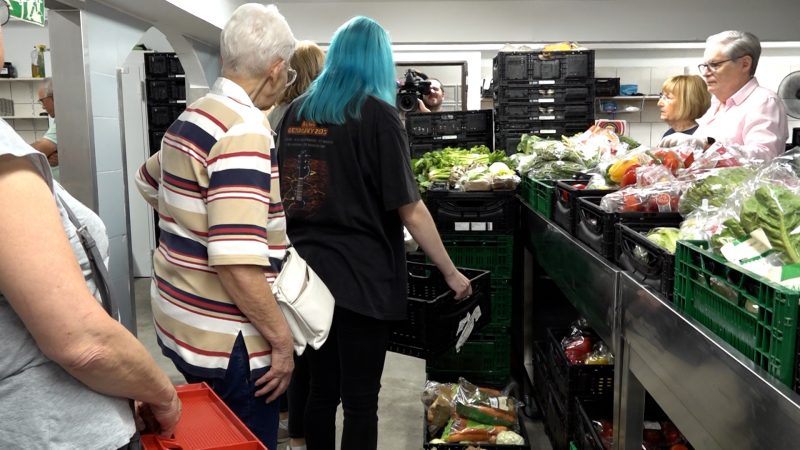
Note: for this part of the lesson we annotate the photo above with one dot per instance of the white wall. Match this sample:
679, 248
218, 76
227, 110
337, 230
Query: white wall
549, 20
20, 37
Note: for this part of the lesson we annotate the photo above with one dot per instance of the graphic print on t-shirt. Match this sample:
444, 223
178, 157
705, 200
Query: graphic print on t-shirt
305, 173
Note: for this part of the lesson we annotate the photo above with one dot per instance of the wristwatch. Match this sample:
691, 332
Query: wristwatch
4, 12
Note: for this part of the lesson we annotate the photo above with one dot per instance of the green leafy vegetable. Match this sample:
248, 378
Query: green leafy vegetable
776, 210
716, 188
664, 237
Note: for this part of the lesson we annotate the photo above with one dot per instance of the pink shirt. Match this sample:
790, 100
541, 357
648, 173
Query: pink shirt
753, 117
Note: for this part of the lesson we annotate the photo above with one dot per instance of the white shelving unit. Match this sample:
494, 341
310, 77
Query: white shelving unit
26, 119
625, 101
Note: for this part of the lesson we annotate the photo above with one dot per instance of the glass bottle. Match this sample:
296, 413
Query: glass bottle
35, 62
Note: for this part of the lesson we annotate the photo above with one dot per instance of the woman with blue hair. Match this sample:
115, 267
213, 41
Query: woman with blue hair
348, 190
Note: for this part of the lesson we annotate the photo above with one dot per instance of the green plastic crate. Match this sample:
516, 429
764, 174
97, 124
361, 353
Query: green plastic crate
493, 253
539, 195
485, 356
714, 292
501, 291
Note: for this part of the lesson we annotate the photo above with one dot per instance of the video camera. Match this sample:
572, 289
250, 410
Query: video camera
413, 88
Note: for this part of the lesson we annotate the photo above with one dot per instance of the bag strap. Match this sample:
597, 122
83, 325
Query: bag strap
99, 271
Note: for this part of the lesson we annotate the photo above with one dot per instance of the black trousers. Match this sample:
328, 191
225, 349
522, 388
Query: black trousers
298, 396
348, 367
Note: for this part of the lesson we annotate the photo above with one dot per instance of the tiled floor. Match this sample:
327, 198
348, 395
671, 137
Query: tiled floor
400, 409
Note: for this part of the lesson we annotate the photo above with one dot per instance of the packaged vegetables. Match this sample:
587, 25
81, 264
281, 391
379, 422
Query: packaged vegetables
462, 169
467, 413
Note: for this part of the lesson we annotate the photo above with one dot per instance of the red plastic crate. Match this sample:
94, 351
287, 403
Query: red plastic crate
206, 423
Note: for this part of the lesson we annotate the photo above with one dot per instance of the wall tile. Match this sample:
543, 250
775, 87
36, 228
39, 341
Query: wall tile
107, 150
5, 90
640, 132
605, 72
651, 113
27, 136
104, 95
661, 74
111, 202
636, 75
23, 109
41, 124
22, 92
23, 124
658, 130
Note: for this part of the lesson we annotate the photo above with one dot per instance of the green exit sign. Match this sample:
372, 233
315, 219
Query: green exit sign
31, 11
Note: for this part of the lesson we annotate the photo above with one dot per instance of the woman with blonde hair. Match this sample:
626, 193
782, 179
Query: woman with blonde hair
307, 60
684, 99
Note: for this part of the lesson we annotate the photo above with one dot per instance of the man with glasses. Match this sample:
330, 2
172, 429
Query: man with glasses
216, 187
48, 144
742, 112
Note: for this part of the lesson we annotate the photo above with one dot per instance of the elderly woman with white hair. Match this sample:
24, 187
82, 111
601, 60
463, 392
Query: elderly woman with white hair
742, 112
216, 188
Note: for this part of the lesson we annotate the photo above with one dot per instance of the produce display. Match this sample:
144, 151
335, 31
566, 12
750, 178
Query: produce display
465, 413
476, 169
581, 346
657, 435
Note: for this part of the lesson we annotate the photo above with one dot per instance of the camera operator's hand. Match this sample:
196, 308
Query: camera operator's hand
421, 106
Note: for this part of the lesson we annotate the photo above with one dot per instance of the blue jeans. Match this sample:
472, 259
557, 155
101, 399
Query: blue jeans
238, 389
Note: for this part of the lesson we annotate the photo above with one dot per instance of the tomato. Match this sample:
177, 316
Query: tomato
579, 186
578, 349
631, 203
629, 177
652, 437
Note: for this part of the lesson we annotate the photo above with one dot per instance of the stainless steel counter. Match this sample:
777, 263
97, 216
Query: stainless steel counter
718, 398
586, 279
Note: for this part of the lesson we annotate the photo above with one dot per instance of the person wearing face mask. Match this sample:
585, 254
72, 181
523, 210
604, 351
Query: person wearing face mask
684, 98
742, 112
215, 185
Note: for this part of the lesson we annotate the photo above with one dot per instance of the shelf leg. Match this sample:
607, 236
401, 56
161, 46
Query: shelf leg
628, 402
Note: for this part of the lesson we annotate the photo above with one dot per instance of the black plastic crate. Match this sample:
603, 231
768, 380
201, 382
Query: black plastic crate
435, 320
584, 381
485, 359
595, 226
492, 212
566, 202
523, 67
174, 64
166, 91
645, 261
551, 129
494, 253
449, 125
562, 93
160, 116
545, 111
155, 140
585, 434
507, 142
156, 65
606, 87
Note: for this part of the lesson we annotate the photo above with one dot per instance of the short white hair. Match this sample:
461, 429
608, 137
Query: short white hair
254, 38
737, 44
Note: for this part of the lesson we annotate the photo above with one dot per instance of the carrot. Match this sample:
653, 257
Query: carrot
472, 436
498, 413
490, 392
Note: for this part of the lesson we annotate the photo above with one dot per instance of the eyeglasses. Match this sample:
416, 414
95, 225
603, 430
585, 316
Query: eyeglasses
41, 100
665, 97
714, 65
291, 76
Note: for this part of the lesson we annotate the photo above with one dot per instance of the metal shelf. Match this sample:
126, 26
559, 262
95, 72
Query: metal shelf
718, 398
586, 279
23, 117
22, 79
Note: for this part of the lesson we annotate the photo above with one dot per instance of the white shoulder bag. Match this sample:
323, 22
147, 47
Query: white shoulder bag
305, 301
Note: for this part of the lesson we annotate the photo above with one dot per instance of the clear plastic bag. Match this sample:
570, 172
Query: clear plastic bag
660, 197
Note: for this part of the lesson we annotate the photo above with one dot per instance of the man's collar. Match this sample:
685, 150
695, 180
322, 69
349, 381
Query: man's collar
745, 91
228, 88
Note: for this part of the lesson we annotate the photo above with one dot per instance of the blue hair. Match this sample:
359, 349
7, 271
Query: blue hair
359, 64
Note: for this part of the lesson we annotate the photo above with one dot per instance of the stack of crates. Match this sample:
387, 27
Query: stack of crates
548, 94
166, 94
488, 244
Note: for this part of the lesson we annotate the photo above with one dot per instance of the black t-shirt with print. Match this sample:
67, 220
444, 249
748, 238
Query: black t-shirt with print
341, 187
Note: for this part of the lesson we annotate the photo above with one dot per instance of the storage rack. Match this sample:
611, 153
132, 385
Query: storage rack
718, 398
547, 94
166, 94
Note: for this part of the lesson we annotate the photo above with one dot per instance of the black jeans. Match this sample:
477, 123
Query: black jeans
298, 396
348, 367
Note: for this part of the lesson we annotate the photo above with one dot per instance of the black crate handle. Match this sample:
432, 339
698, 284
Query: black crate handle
629, 244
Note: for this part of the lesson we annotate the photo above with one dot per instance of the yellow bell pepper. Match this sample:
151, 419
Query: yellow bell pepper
617, 170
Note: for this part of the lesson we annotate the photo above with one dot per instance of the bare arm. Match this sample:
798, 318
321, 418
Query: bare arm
148, 179
66, 321
252, 294
45, 146
418, 221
